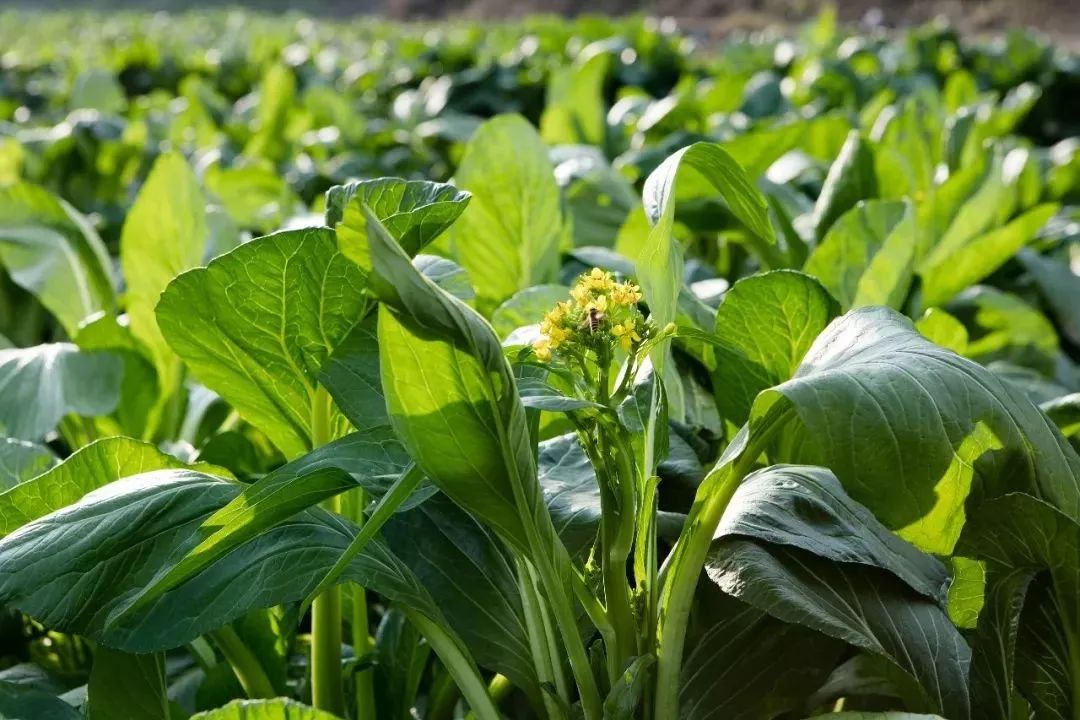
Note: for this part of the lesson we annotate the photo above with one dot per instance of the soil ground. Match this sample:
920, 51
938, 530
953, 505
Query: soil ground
1058, 19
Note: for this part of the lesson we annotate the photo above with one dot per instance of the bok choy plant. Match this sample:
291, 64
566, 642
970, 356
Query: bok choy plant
428, 455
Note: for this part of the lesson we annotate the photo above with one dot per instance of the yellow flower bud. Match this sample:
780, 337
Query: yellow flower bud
542, 348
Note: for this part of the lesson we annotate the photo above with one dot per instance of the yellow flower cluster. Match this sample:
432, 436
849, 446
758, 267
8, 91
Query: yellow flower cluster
601, 310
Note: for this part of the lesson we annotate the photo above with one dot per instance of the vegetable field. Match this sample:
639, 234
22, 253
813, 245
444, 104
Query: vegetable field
560, 369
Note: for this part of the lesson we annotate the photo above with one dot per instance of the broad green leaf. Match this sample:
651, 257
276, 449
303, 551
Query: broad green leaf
1022, 535
351, 376
527, 307
744, 664
508, 237
472, 579
276, 709
18, 702
1002, 326
415, 212
258, 324
127, 686
451, 396
277, 93
946, 274
908, 147
40, 385
165, 234
597, 197
80, 568
1043, 669
865, 675
21, 460
870, 609
1060, 288
626, 693
910, 428
967, 591
255, 197
575, 111
87, 469
764, 326
867, 256
447, 274
1064, 411
994, 644
373, 460
806, 508
52, 251
401, 657
851, 179
139, 387
699, 170
941, 328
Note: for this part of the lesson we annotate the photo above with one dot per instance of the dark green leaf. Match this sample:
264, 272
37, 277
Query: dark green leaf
472, 580
127, 686
744, 664
24, 703
87, 469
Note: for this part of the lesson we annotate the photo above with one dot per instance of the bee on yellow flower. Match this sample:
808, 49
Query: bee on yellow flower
627, 335
598, 303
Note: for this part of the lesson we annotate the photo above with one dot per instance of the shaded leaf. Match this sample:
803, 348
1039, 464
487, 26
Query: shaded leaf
42, 384
127, 686
51, 250
21, 460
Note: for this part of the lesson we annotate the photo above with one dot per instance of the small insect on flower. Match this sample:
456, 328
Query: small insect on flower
593, 318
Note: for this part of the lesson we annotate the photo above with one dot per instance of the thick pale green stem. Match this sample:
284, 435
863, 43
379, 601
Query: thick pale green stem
361, 633
538, 642
245, 665
562, 611
326, 686
618, 541
459, 666
678, 596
